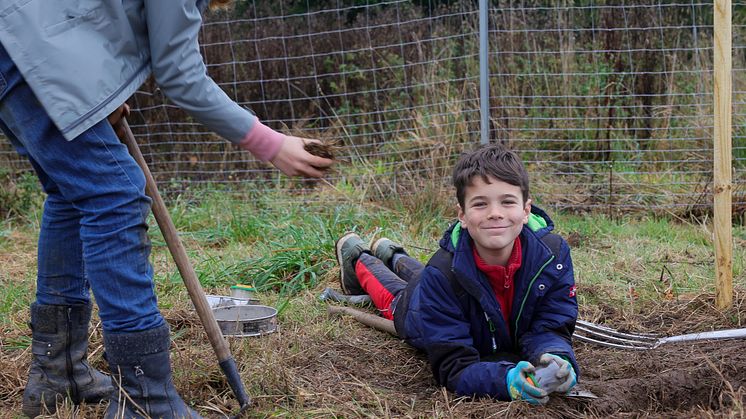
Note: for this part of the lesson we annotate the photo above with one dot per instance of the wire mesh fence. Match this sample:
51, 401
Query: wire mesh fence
609, 103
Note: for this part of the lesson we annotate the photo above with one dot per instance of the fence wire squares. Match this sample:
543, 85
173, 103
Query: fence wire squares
610, 105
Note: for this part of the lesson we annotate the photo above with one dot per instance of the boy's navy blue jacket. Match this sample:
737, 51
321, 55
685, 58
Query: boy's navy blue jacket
459, 330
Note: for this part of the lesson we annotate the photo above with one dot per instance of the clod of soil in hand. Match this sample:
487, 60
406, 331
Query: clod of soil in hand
321, 150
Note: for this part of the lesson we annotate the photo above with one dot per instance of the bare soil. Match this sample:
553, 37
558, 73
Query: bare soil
317, 366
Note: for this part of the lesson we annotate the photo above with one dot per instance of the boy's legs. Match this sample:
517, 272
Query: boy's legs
362, 272
396, 258
379, 282
407, 267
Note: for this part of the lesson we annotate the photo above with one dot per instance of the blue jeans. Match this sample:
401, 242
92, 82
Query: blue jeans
93, 232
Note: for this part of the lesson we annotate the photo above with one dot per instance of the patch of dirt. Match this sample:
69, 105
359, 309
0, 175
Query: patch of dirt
317, 366
324, 150
669, 379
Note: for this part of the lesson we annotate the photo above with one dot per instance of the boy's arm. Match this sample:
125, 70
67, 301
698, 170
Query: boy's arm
450, 349
554, 318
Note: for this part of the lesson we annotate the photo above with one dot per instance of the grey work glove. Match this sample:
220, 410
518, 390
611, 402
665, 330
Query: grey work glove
555, 374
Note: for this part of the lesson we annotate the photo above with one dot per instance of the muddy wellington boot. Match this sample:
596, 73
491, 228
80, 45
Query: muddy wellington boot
385, 249
140, 364
59, 367
348, 248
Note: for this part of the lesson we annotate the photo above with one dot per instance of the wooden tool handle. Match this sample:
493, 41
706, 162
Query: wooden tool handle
376, 322
162, 217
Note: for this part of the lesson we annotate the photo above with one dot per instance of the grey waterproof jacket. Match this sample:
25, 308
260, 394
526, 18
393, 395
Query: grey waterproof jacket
84, 58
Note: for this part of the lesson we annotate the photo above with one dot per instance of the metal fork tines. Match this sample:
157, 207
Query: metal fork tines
606, 336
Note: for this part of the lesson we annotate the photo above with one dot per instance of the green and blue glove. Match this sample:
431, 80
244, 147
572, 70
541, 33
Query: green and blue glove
521, 385
565, 375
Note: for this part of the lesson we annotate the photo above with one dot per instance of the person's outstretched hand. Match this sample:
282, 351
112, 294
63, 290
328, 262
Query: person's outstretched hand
294, 160
115, 119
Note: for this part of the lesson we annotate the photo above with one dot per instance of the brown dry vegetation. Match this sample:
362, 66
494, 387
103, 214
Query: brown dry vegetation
316, 366
394, 83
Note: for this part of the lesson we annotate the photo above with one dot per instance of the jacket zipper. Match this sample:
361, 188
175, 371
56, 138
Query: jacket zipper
525, 297
490, 324
492, 332
68, 357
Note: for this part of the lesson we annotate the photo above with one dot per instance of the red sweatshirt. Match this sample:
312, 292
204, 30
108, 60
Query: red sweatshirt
501, 278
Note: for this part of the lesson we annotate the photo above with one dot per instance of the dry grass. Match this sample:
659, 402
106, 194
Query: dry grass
317, 366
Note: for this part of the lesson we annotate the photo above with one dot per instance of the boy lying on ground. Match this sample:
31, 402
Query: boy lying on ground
497, 298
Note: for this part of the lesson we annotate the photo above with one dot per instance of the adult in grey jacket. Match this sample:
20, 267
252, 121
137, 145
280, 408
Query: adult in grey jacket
65, 65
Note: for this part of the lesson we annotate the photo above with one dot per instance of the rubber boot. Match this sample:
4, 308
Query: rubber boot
141, 365
59, 367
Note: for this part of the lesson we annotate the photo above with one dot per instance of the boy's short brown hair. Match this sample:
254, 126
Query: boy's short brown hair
491, 160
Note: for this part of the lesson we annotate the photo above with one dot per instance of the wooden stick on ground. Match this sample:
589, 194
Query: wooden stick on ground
376, 322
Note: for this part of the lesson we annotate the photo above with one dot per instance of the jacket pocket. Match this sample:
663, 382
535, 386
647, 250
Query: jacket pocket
74, 18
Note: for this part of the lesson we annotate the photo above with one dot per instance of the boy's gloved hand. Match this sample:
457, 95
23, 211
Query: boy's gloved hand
565, 374
519, 386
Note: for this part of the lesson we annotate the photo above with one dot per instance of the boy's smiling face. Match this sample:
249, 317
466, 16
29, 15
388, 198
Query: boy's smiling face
494, 213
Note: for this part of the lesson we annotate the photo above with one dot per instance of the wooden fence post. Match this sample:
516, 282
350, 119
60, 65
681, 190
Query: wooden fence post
722, 154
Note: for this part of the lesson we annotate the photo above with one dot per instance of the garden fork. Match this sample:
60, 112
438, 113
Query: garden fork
606, 336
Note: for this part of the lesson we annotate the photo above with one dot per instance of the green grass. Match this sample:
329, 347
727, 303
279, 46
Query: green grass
16, 281
647, 258
283, 248
15, 297
283, 244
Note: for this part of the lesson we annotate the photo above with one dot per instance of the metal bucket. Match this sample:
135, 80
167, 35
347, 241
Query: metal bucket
243, 291
215, 301
246, 320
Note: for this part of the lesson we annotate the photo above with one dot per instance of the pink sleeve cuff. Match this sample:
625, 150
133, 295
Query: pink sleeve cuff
262, 141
